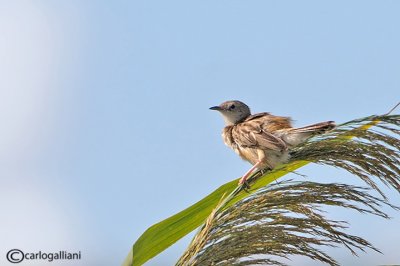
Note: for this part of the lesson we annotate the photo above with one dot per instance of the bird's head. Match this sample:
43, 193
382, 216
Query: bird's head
233, 112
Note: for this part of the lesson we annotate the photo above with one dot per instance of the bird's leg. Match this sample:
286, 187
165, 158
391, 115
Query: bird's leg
248, 173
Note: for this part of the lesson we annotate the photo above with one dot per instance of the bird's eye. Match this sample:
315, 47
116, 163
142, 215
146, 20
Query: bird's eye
232, 107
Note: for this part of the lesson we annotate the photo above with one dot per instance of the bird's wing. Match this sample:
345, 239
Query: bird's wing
256, 116
270, 123
252, 134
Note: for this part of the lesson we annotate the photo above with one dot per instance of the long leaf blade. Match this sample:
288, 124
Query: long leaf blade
162, 235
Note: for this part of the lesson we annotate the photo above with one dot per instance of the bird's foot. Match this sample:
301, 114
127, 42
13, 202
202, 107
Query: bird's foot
248, 174
245, 186
243, 180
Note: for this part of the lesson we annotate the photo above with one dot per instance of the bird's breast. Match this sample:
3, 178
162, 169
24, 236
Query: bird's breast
227, 137
246, 154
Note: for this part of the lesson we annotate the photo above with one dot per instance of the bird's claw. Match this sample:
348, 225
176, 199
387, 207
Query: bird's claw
245, 185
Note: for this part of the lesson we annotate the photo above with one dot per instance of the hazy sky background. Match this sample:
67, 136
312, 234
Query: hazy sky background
105, 127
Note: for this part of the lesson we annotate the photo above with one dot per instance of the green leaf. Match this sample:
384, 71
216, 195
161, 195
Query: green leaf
162, 235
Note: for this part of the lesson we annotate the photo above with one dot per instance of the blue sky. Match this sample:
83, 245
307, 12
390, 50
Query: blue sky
104, 109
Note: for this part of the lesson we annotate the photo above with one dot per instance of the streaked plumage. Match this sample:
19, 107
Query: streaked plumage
262, 139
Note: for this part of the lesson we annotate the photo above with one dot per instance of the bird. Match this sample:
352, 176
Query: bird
263, 139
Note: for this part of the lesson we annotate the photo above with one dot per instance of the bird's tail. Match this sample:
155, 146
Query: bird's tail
316, 129
298, 135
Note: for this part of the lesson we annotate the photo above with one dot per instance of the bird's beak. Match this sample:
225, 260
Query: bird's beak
217, 108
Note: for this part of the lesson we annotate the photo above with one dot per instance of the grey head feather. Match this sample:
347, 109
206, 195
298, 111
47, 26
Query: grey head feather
233, 112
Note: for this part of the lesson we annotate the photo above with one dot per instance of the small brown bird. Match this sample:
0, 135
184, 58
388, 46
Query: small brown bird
263, 139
